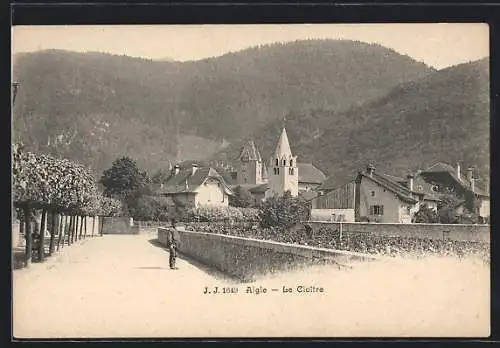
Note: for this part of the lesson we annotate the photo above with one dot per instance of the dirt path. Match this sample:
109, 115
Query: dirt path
121, 286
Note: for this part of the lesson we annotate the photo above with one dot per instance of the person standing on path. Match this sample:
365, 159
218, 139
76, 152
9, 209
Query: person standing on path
172, 246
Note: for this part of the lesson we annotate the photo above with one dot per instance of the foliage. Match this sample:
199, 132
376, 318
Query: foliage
283, 211
110, 206
426, 215
124, 180
206, 213
51, 183
149, 208
447, 209
241, 198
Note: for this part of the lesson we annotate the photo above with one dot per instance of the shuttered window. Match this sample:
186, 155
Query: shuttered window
376, 210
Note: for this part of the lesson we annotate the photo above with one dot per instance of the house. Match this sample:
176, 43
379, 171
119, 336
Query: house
380, 197
194, 186
376, 197
442, 178
285, 174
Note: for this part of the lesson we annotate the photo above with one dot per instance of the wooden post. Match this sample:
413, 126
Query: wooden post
81, 227
102, 224
41, 246
75, 228
27, 221
61, 230
65, 230
70, 229
52, 233
85, 227
93, 225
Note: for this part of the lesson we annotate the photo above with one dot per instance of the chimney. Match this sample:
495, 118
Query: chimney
370, 169
458, 171
469, 173
410, 181
194, 167
470, 177
177, 168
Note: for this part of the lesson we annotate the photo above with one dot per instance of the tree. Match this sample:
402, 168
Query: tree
241, 198
426, 215
124, 179
447, 209
283, 211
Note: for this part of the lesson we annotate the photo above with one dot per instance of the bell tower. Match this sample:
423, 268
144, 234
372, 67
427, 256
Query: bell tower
250, 168
283, 172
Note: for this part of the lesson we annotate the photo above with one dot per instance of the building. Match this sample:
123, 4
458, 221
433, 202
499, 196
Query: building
251, 169
194, 186
442, 178
285, 173
380, 197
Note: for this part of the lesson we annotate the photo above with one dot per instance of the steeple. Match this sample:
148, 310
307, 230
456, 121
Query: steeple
284, 175
249, 152
283, 146
249, 165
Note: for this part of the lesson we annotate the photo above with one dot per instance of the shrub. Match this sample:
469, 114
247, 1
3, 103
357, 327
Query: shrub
283, 211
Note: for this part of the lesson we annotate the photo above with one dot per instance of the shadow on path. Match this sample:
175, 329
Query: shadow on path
204, 268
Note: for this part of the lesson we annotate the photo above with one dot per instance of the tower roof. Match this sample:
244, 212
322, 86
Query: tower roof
250, 152
283, 147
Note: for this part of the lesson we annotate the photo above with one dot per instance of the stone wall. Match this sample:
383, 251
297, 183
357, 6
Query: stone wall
330, 214
118, 225
249, 259
455, 232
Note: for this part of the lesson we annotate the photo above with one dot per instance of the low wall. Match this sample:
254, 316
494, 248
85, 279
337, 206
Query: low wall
328, 214
248, 259
118, 225
455, 232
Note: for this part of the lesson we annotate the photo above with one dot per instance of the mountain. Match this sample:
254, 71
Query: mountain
443, 116
93, 107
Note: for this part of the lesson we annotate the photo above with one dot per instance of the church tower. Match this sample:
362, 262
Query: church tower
250, 168
283, 173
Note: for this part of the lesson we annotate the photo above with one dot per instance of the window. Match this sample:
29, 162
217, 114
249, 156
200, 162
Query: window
373, 193
277, 162
376, 210
291, 163
276, 171
284, 162
290, 171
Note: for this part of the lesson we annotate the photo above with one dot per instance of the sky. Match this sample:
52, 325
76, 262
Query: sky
437, 44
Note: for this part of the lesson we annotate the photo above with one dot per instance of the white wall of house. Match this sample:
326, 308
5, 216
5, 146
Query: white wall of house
484, 208
372, 194
211, 193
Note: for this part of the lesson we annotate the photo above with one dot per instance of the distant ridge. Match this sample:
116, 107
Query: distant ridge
65, 98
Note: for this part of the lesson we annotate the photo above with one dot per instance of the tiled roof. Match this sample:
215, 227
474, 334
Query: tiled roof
463, 181
185, 181
250, 152
308, 173
401, 191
